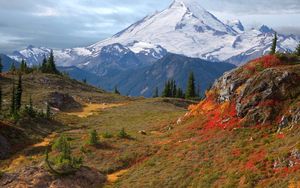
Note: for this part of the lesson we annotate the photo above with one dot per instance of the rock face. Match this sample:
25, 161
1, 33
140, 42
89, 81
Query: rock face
261, 89
37, 177
62, 101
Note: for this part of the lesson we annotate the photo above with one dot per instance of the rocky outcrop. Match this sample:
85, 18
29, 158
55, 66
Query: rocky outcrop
261, 93
38, 177
62, 101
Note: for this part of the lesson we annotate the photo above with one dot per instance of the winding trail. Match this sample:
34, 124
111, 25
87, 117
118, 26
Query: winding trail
90, 109
112, 178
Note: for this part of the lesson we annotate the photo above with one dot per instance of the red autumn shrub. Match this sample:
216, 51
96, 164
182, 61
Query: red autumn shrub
270, 61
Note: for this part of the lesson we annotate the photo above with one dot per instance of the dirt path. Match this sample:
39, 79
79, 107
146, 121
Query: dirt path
112, 178
89, 109
20, 159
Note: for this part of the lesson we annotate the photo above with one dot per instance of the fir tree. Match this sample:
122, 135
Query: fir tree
12, 68
51, 64
94, 139
1, 66
166, 91
29, 108
23, 66
190, 91
173, 89
123, 134
0, 99
43, 67
116, 91
274, 44
66, 151
48, 111
13, 101
63, 147
18, 97
298, 50
179, 93
155, 93
170, 89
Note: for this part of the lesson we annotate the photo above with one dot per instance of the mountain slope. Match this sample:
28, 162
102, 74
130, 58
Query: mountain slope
228, 140
7, 62
144, 81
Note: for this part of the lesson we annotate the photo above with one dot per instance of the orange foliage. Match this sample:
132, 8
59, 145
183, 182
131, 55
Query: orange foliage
236, 152
262, 63
217, 115
254, 159
280, 136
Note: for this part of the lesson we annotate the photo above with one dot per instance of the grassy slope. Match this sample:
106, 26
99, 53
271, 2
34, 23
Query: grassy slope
186, 155
29, 131
196, 154
155, 116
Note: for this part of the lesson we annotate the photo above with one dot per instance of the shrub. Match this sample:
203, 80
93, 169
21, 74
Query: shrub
60, 143
107, 135
123, 134
64, 163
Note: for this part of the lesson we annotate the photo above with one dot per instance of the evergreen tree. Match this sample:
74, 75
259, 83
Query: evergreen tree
18, 97
12, 68
23, 66
173, 89
0, 99
66, 151
51, 64
1, 66
179, 93
298, 50
29, 108
48, 111
84, 80
116, 91
123, 134
155, 93
274, 44
190, 91
43, 67
13, 101
166, 91
94, 139
170, 89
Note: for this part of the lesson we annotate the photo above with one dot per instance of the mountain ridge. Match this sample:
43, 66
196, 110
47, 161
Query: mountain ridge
190, 32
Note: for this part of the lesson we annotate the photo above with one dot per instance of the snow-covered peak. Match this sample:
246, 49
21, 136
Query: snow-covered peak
236, 25
192, 5
200, 17
186, 28
266, 29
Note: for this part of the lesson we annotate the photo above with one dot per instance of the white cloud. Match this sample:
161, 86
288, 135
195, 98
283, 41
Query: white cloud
44, 11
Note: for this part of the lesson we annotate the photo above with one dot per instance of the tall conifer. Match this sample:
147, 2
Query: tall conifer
18, 97
190, 91
274, 44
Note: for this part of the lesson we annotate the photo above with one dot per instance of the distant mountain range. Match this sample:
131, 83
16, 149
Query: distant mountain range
7, 62
183, 28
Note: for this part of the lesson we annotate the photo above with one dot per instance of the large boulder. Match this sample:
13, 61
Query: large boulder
260, 91
62, 101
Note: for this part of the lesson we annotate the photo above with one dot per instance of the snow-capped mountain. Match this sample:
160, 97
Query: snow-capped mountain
183, 28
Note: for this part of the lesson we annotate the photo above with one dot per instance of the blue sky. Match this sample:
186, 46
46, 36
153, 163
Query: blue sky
72, 23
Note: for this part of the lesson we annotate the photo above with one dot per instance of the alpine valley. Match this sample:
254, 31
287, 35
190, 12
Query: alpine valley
148, 46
